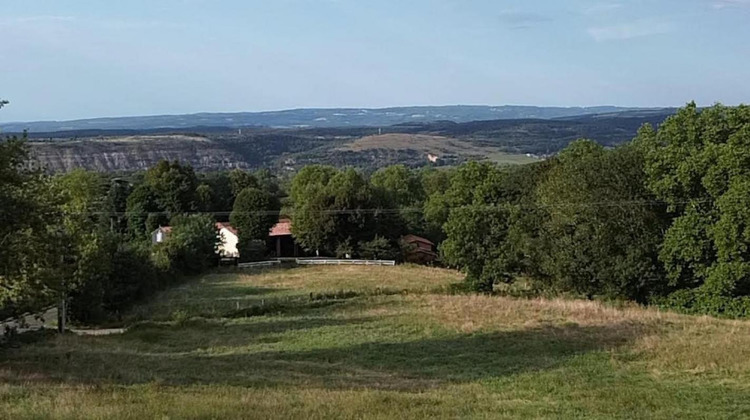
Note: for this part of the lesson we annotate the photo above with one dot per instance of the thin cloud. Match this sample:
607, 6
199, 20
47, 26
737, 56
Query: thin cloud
636, 29
602, 9
724, 4
35, 19
522, 20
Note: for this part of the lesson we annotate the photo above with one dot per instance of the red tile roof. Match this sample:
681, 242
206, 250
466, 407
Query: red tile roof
283, 228
410, 239
226, 226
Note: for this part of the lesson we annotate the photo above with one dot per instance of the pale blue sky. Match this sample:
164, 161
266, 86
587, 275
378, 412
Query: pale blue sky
62, 59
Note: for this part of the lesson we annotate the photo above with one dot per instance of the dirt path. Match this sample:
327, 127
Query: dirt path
48, 319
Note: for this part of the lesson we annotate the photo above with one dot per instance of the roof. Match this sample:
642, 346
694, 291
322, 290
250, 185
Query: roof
283, 228
165, 229
414, 238
226, 226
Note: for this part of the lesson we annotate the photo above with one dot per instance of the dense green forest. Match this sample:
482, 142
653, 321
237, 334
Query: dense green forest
660, 220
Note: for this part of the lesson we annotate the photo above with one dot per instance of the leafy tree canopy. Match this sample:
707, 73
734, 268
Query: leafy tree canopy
698, 162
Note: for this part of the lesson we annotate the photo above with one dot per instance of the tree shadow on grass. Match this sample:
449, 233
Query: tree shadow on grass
201, 334
411, 365
428, 363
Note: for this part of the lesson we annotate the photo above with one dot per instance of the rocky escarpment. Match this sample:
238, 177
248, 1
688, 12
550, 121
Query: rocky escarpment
133, 153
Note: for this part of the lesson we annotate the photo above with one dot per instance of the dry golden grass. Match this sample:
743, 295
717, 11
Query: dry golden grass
355, 278
666, 341
420, 142
436, 145
474, 313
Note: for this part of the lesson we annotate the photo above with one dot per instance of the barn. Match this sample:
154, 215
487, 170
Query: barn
281, 242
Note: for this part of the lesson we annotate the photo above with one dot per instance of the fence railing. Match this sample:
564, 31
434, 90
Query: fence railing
316, 261
344, 262
260, 264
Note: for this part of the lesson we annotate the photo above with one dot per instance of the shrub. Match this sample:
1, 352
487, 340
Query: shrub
191, 247
379, 248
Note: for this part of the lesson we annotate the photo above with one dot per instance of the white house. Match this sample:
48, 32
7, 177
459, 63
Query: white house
227, 247
229, 239
160, 235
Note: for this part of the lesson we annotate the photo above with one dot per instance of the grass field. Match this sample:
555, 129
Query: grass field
380, 342
437, 145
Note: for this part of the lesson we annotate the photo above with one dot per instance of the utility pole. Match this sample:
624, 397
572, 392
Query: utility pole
62, 315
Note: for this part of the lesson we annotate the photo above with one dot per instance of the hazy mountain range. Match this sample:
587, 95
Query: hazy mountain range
339, 117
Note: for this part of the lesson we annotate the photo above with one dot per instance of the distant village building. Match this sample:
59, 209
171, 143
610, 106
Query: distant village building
281, 240
418, 250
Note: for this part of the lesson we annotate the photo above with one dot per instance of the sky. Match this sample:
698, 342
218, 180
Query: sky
66, 59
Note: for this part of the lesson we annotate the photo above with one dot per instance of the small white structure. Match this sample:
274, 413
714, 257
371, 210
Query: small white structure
229, 239
227, 248
160, 235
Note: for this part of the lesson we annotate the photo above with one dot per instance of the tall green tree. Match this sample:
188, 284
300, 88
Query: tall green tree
85, 255
240, 180
435, 209
477, 224
354, 208
215, 194
603, 228
267, 181
116, 205
174, 186
254, 214
698, 162
28, 211
143, 212
336, 212
313, 222
399, 190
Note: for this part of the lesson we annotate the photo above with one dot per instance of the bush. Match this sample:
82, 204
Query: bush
191, 247
119, 274
134, 277
379, 248
701, 302
254, 250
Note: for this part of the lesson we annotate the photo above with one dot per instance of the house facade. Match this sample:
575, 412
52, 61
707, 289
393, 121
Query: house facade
227, 246
229, 239
161, 234
418, 250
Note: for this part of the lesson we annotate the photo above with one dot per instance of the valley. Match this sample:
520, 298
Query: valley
284, 150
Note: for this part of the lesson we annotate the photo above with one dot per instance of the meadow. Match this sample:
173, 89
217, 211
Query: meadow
379, 342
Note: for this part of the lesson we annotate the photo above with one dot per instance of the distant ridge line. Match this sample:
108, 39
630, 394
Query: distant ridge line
321, 118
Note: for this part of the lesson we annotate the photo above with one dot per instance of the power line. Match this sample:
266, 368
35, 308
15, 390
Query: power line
397, 210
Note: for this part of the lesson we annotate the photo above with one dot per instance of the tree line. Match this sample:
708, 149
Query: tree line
660, 220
